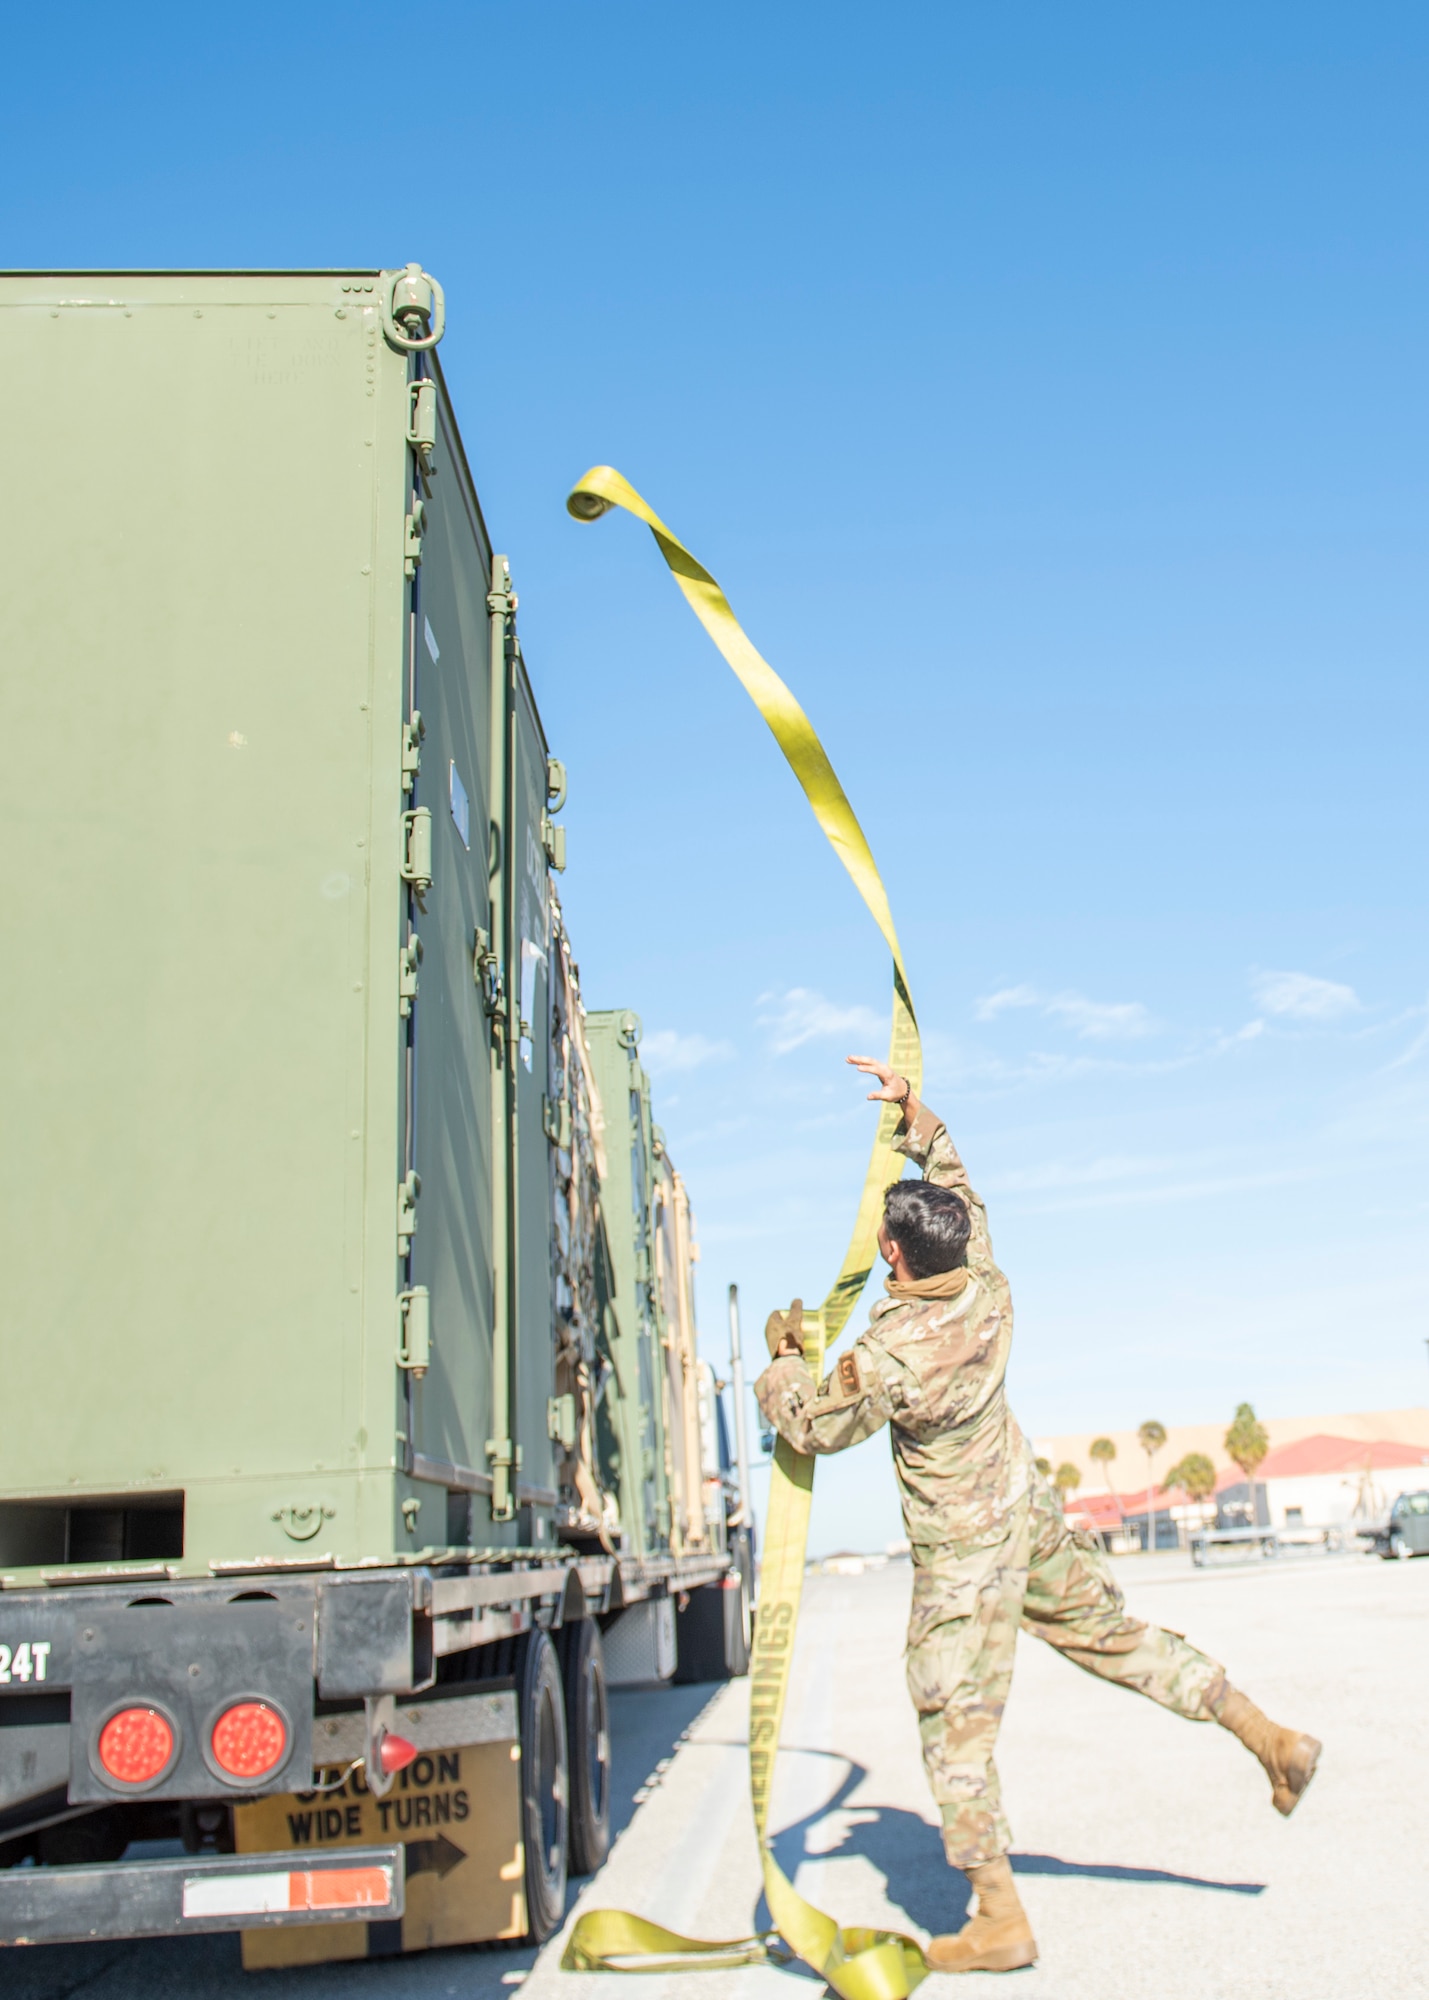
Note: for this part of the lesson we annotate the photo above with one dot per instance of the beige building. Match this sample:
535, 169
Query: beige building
1128, 1468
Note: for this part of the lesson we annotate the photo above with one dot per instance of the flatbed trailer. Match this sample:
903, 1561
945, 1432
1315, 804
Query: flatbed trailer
442, 1657
354, 1432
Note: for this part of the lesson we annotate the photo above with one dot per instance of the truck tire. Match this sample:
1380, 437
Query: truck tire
712, 1633
588, 1730
545, 1784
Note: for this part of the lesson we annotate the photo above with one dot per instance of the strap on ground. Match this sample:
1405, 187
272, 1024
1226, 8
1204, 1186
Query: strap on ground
859, 1964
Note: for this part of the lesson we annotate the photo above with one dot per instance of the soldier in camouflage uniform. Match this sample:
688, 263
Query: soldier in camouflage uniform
991, 1549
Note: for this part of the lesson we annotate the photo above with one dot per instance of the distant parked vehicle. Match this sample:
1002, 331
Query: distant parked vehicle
1235, 1544
1406, 1533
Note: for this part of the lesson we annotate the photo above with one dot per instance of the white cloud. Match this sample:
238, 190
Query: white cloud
801, 1015
1251, 1032
1302, 997
1101, 1020
1057, 1174
667, 1051
993, 1004
1416, 1048
1093, 1020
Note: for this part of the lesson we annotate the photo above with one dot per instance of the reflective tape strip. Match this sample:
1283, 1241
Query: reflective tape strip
293, 1889
236, 1895
343, 1889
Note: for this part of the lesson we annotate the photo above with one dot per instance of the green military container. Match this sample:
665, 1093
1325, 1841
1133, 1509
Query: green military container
316, 1274
632, 1433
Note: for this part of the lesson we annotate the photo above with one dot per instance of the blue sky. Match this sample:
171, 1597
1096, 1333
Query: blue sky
1046, 387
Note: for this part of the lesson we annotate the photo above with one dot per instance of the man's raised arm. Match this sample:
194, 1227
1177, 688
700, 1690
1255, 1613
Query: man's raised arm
923, 1138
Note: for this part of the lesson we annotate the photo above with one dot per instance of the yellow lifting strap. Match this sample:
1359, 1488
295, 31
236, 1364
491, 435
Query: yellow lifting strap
859, 1964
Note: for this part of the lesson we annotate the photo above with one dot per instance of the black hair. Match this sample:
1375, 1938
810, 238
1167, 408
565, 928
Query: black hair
930, 1225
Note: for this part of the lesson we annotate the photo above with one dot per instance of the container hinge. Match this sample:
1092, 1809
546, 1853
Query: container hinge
408, 1189
557, 1120
553, 839
409, 957
417, 851
555, 784
414, 1331
412, 734
505, 1460
501, 603
416, 525
414, 309
561, 1421
422, 419
486, 971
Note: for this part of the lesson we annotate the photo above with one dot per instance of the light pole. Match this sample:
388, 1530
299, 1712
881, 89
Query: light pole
741, 1433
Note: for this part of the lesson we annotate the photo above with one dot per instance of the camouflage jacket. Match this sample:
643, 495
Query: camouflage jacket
932, 1370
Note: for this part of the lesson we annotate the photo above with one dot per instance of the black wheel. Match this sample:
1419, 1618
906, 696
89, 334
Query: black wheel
545, 1784
712, 1633
588, 1728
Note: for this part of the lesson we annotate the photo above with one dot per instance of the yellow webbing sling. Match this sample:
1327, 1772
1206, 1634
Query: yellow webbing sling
859, 1964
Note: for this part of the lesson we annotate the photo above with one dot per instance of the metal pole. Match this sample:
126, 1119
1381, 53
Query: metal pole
741, 1431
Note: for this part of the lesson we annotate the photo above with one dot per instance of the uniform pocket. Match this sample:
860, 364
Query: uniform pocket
947, 1593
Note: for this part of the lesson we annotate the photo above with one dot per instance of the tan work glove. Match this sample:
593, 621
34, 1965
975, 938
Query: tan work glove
784, 1332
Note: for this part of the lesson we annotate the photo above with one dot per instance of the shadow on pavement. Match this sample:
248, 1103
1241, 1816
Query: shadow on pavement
647, 1726
1106, 1871
906, 1850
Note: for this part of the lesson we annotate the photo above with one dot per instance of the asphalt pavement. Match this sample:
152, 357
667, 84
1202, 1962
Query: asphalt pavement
1146, 1848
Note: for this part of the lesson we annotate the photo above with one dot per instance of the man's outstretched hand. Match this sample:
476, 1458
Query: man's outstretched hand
785, 1332
893, 1088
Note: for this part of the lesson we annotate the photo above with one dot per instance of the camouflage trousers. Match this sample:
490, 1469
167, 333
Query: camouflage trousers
1054, 1582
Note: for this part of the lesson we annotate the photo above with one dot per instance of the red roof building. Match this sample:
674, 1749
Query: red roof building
1313, 1482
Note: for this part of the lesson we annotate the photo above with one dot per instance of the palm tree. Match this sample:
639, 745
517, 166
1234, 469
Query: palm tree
1195, 1475
1067, 1478
1103, 1450
1247, 1442
1153, 1437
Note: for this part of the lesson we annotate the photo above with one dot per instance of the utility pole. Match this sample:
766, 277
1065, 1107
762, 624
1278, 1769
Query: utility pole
741, 1432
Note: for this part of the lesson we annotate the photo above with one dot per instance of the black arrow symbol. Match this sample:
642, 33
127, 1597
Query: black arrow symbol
433, 1857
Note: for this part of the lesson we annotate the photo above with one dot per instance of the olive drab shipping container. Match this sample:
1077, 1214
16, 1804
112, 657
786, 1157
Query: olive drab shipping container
305, 1250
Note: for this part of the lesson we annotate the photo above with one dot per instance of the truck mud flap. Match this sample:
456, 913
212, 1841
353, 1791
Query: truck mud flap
228, 1892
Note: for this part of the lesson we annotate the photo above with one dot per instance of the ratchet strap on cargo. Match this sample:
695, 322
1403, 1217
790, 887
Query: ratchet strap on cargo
859, 1964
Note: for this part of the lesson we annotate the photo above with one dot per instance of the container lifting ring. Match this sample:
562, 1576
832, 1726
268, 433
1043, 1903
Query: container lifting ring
412, 298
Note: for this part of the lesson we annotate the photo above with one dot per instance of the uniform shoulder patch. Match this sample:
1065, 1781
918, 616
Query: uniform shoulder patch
849, 1383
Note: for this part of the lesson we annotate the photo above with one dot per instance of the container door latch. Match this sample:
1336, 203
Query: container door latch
416, 526
409, 957
408, 1190
505, 1460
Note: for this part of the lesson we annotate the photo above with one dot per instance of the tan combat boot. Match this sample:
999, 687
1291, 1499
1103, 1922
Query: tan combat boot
998, 1938
1288, 1757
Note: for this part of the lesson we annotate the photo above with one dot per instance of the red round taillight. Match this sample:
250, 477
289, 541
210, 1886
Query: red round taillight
135, 1745
249, 1740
